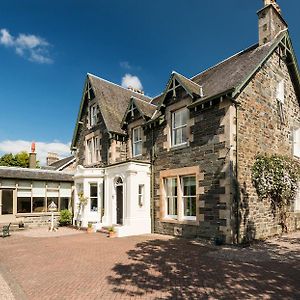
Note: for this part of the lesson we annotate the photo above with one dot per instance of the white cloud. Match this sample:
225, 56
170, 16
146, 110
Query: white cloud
30, 46
5, 38
42, 148
129, 80
125, 65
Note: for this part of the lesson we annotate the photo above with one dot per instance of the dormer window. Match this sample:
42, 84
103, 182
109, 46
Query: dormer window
93, 115
137, 142
179, 127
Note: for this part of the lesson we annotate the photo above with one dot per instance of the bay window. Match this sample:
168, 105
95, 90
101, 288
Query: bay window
179, 127
141, 194
94, 197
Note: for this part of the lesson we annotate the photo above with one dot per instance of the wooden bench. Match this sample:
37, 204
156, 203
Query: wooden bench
5, 230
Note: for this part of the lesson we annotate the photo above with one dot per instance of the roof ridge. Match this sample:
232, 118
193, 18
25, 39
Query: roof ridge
119, 86
224, 60
135, 98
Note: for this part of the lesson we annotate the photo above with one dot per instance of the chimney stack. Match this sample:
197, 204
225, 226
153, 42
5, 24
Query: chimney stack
52, 158
32, 157
270, 21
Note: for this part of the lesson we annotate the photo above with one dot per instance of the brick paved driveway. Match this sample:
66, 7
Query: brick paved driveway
91, 266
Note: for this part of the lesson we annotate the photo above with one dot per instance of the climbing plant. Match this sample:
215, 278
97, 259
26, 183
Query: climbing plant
276, 177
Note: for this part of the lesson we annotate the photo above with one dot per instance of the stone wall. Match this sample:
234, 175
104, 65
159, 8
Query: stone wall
33, 221
209, 149
260, 130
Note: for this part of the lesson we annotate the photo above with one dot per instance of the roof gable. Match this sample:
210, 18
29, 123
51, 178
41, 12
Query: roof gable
112, 100
138, 108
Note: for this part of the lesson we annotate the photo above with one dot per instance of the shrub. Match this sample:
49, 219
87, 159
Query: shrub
276, 178
65, 217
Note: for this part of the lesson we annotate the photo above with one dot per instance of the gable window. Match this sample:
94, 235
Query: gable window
297, 142
179, 127
280, 91
188, 184
93, 154
137, 143
94, 197
171, 197
280, 94
93, 115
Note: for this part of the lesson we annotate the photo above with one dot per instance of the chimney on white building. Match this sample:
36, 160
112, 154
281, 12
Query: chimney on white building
52, 158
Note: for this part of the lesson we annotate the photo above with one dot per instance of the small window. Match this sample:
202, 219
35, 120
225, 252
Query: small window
89, 151
171, 197
94, 197
280, 91
93, 115
297, 142
137, 143
141, 194
179, 127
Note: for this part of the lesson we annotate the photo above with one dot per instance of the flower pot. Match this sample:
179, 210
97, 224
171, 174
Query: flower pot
90, 230
112, 234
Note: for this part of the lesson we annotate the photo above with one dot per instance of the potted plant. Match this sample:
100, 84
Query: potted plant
90, 228
111, 232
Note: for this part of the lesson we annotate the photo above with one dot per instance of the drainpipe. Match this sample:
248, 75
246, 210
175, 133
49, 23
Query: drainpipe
236, 176
152, 179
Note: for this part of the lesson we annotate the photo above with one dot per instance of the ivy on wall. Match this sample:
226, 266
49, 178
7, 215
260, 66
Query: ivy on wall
276, 177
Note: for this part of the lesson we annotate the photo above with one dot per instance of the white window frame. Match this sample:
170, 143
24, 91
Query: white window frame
137, 141
93, 197
141, 195
93, 115
89, 151
170, 198
93, 152
182, 127
296, 146
184, 197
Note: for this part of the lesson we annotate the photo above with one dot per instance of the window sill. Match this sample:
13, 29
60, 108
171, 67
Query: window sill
183, 222
180, 146
36, 214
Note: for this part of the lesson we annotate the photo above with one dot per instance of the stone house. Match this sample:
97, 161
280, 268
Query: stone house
180, 163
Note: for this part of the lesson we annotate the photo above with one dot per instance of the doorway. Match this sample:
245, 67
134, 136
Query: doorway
119, 200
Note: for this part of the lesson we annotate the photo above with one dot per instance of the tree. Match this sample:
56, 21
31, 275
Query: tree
20, 159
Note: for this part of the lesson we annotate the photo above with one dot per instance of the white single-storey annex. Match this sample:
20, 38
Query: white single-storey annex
118, 195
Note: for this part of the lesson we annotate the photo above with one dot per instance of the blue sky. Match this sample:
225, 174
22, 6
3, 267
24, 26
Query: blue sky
42, 72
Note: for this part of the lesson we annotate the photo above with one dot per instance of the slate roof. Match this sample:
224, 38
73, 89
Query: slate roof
113, 101
232, 72
146, 108
34, 174
62, 162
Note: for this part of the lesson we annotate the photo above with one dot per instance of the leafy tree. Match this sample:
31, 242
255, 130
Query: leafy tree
20, 159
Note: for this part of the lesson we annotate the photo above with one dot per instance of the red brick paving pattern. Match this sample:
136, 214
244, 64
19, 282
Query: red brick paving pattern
91, 266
